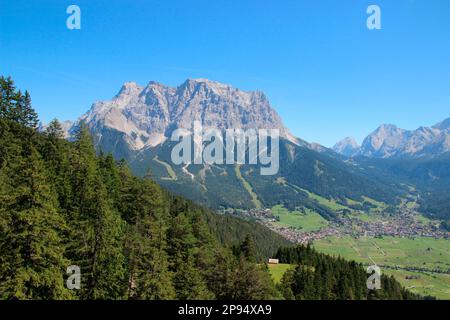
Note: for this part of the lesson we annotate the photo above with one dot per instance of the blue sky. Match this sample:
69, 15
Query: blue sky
326, 74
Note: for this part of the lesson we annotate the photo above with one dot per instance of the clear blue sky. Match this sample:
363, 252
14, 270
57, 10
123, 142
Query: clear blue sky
325, 73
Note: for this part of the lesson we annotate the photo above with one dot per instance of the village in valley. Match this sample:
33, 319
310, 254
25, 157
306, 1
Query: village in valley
404, 223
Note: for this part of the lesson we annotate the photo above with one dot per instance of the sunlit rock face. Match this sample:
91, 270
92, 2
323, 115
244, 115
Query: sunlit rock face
145, 116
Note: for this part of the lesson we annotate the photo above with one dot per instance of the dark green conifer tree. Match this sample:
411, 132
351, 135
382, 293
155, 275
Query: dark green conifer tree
7, 97
32, 265
149, 275
98, 231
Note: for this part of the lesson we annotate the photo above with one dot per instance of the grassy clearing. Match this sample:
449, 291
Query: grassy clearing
351, 202
364, 217
333, 205
419, 252
379, 206
277, 271
306, 221
170, 172
424, 220
424, 283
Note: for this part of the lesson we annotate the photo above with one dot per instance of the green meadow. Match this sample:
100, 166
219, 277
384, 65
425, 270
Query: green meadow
421, 264
424, 283
277, 271
306, 221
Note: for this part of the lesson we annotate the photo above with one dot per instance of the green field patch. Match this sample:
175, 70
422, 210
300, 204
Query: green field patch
169, 169
331, 204
277, 271
379, 206
420, 253
363, 216
351, 202
308, 220
424, 283
411, 205
423, 220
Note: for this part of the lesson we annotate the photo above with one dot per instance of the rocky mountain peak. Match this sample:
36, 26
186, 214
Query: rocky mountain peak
348, 147
129, 88
146, 116
387, 129
444, 125
384, 141
389, 141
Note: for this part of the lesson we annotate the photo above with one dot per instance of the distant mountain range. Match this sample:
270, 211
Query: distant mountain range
135, 125
418, 158
389, 141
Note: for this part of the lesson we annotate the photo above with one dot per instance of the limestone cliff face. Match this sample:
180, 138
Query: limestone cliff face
347, 147
389, 141
146, 116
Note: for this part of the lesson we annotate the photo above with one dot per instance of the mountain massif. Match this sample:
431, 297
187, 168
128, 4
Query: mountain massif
137, 123
142, 117
390, 142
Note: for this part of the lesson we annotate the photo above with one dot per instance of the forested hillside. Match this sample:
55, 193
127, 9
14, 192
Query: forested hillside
230, 231
61, 204
430, 178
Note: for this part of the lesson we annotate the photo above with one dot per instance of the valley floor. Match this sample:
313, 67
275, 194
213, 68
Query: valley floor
406, 244
421, 264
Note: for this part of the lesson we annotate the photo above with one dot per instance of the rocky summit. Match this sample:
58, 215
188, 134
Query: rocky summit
145, 116
389, 141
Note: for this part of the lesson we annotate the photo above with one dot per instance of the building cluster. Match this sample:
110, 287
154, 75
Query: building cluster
403, 223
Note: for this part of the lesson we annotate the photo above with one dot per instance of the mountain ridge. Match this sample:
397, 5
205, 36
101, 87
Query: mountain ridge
389, 142
146, 116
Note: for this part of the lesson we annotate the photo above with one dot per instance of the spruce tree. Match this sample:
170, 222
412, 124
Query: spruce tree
220, 276
247, 249
54, 131
55, 151
8, 92
149, 276
98, 231
188, 280
252, 282
33, 265
29, 116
